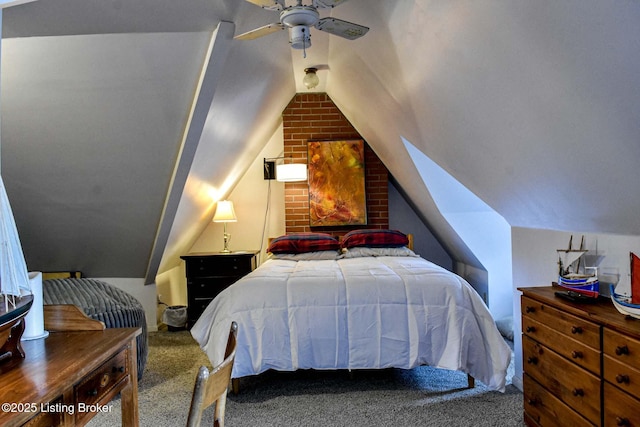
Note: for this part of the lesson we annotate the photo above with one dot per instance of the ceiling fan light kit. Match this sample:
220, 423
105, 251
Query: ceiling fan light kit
310, 79
300, 18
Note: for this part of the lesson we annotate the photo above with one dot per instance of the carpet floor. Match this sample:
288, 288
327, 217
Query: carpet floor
423, 396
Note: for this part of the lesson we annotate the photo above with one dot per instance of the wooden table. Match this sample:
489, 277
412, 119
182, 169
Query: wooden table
70, 376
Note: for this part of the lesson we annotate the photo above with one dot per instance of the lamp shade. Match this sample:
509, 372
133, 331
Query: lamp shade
291, 172
225, 212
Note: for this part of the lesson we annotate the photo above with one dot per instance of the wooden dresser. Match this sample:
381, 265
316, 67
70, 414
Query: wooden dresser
208, 274
581, 362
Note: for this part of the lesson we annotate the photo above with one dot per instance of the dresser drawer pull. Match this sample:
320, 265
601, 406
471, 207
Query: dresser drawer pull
530, 309
622, 379
532, 360
622, 349
93, 392
531, 329
622, 421
577, 354
105, 380
533, 402
117, 369
576, 329
578, 392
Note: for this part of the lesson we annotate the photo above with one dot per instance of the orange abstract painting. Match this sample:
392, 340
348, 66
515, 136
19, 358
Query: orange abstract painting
337, 183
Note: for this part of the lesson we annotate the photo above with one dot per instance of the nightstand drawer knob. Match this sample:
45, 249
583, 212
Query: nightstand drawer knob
533, 402
532, 360
622, 421
622, 349
531, 329
530, 309
576, 329
622, 379
576, 354
578, 392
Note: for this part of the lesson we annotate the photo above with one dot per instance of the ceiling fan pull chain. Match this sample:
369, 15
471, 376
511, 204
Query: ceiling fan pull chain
304, 43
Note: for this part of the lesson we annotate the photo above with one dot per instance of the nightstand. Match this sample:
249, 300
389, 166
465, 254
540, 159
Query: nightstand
208, 274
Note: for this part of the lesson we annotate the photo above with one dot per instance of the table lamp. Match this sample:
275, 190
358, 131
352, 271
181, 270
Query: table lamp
224, 214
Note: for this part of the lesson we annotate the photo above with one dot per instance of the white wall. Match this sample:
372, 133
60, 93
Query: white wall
535, 264
483, 230
146, 294
402, 217
251, 197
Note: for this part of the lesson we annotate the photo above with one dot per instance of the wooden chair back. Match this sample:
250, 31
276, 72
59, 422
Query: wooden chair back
211, 386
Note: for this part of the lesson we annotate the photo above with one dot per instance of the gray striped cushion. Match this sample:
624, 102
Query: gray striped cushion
101, 301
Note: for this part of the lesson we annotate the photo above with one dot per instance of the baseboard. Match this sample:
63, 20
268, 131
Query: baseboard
517, 382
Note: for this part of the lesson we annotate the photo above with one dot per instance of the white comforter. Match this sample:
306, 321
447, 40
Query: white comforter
358, 313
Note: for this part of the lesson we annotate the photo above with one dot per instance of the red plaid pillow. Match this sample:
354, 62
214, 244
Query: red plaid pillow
303, 242
375, 239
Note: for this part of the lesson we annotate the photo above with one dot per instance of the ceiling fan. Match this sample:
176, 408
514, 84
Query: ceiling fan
299, 18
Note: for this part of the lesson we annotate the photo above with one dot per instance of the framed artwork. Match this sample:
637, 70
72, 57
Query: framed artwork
337, 194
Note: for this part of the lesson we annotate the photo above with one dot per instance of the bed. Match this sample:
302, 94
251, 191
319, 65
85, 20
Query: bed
367, 302
100, 301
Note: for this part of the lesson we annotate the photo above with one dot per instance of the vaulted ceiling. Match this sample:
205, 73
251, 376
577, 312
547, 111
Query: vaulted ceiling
533, 106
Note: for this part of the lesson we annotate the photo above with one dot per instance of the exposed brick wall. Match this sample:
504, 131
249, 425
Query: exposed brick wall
314, 117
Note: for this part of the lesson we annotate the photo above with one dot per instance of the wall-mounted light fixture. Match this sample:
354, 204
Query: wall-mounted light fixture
291, 172
310, 79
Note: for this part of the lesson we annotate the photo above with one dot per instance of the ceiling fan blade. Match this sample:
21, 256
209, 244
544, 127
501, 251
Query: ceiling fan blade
341, 28
326, 3
269, 4
259, 32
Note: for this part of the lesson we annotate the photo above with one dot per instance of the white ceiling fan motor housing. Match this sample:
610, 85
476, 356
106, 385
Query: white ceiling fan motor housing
299, 15
299, 37
299, 19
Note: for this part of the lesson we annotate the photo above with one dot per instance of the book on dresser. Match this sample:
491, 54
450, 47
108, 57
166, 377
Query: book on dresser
581, 362
209, 273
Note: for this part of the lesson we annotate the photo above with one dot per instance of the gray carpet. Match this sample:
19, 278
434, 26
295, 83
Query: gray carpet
423, 396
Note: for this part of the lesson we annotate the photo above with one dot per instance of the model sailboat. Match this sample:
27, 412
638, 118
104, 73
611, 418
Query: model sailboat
15, 293
629, 305
574, 276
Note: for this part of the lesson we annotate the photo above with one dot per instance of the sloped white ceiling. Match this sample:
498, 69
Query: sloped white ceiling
90, 126
533, 106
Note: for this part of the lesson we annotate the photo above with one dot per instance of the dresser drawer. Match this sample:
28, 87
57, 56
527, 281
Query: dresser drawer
215, 266
48, 418
622, 375
196, 307
620, 409
570, 383
577, 351
579, 329
621, 347
206, 287
101, 381
544, 409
